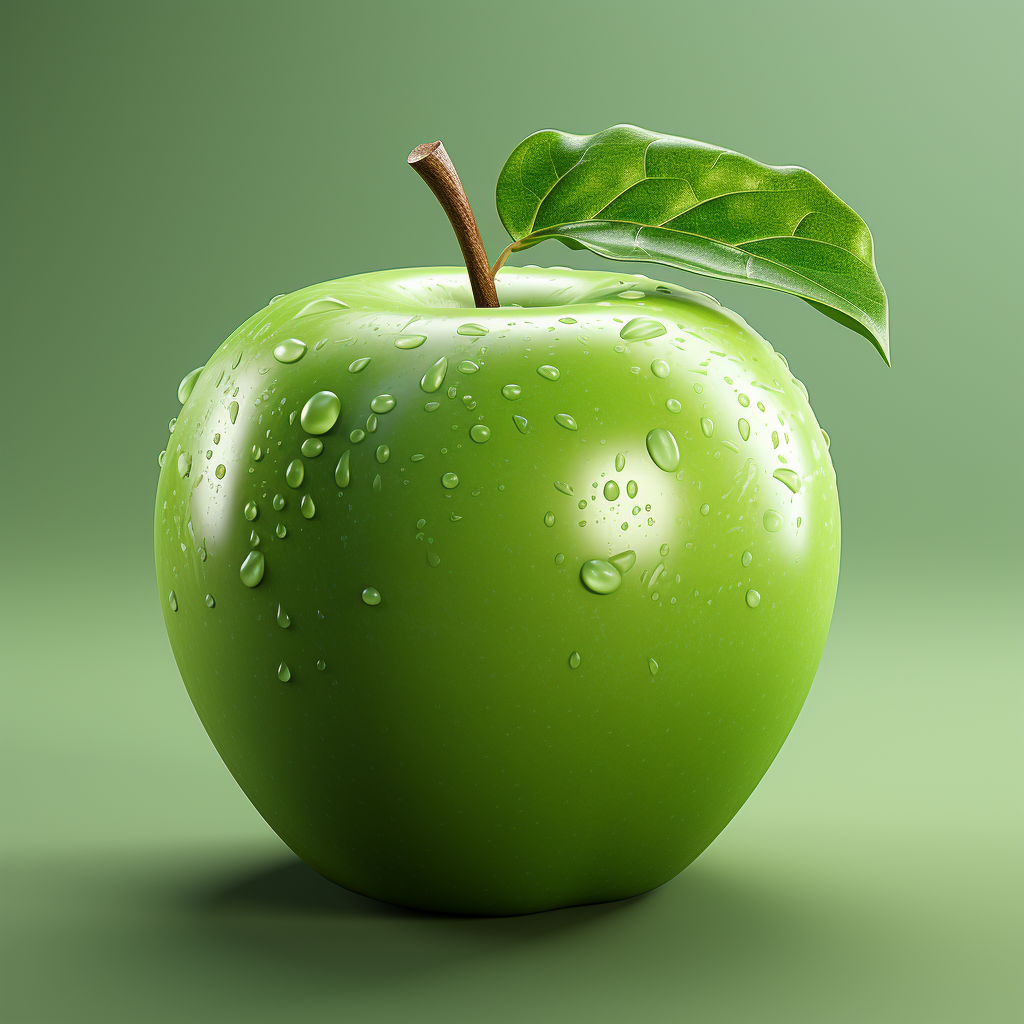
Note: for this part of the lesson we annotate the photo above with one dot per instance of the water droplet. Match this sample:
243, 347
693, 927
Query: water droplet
358, 364
512, 392
383, 453
325, 305
653, 666
705, 509
663, 550
257, 453
281, 530
450, 480
563, 419
549, 518
172, 600
561, 485
660, 368
434, 377
673, 405
371, 596
321, 664
342, 474
631, 294
184, 465
772, 521
549, 372
290, 351
623, 561
789, 478
663, 449
382, 404
746, 559
357, 435
743, 400
161, 458
620, 462
252, 510
312, 447
408, 341
631, 488
417, 458
284, 673
306, 507
575, 659
744, 428
467, 366
707, 426
320, 413
210, 602
753, 598
480, 432
641, 328
295, 473
522, 423
828, 440
566, 320
611, 491
559, 558
472, 330
279, 502
220, 471
233, 411
252, 568
188, 382
600, 577
254, 539
284, 620
171, 424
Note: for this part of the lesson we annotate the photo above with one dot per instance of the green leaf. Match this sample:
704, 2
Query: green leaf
631, 194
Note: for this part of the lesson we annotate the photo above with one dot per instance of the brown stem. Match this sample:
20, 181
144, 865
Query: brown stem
431, 163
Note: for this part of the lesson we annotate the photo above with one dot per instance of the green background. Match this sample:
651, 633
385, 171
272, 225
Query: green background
169, 167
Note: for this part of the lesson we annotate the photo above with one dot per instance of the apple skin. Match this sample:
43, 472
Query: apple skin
448, 756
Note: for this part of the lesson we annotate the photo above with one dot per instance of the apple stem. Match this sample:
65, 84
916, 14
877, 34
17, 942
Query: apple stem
432, 164
500, 261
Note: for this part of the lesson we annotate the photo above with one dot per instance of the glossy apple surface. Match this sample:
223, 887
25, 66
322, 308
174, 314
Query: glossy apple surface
519, 630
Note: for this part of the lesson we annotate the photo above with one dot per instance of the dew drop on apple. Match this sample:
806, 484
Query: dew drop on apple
371, 596
611, 491
549, 518
467, 366
566, 320
512, 392
549, 372
306, 507
295, 473
623, 561
325, 305
561, 485
359, 364
184, 464
172, 600
257, 453
290, 351
320, 413
705, 509
789, 478
434, 377
746, 559
281, 530
522, 424
480, 433
254, 539
772, 521
600, 577
433, 559
450, 481
663, 449
408, 341
210, 602
279, 502
641, 328
563, 419
743, 400
321, 664
663, 550
312, 447
707, 426
383, 453
382, 404
342, 473
472, 330
284, 673
744, 428
188, 382
631, 294
620, 462
828, 440
233, 411
673, 405
284, 620
559, 558
753, 598
631, 488
653, 666
575, 659
220, 471
251, 510
660, 368
357, 435
252, 568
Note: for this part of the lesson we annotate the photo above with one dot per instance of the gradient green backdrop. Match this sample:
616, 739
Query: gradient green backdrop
169, 167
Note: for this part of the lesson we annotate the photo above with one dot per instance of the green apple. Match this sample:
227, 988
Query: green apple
495, 610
